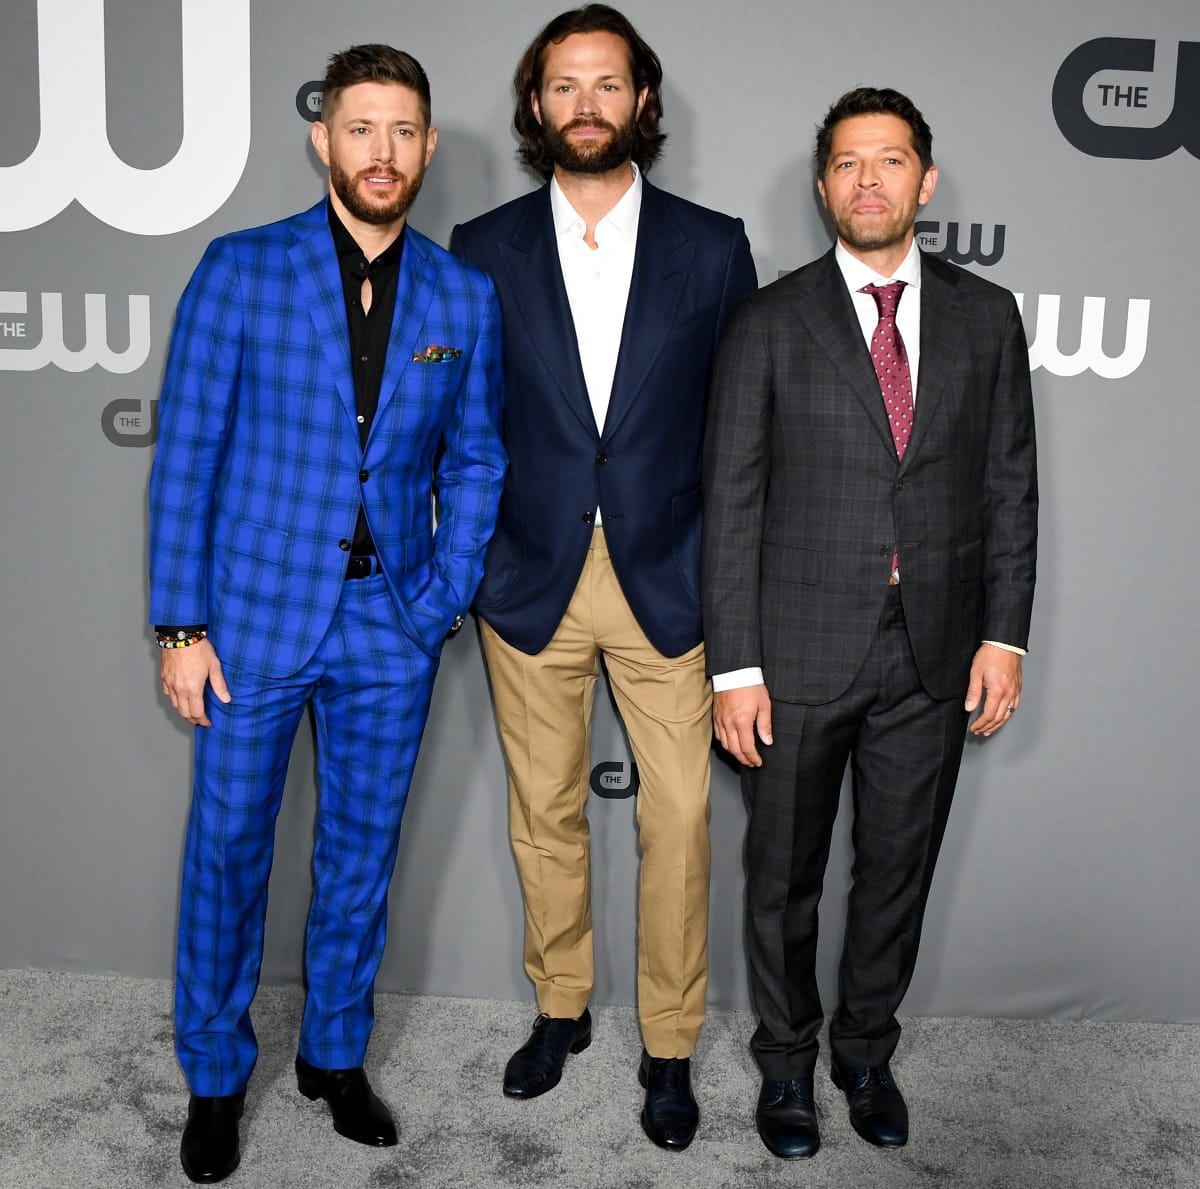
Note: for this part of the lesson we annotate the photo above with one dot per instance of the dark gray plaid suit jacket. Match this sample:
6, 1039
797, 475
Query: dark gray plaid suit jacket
804, 496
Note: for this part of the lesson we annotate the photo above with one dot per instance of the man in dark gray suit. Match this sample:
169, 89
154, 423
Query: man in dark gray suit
870, 530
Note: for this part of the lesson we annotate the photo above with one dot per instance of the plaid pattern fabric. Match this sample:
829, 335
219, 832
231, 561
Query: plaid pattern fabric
370, 686
254, 494
259, 473
804, 497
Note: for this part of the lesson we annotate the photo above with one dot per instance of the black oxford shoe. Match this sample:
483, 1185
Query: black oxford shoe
877, 1109
209, 1150
786, 1118
357, 1112
670, 1114
538, 1064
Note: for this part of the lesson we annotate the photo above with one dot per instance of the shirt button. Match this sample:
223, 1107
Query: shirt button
363, 358
344, 545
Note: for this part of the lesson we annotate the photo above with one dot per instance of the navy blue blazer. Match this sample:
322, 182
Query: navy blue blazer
642, 468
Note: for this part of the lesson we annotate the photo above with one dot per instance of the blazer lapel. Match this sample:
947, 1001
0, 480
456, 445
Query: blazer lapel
534, 278
661, 264
828, 313
943, 332
415, 287
320, 281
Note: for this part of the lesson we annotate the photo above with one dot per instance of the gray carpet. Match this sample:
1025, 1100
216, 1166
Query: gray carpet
93, 1098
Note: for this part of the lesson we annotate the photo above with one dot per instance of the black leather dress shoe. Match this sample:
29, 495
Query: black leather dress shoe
209, 1151
786, 1118
538, 1064
357, 1112
670, 1114
877, 1109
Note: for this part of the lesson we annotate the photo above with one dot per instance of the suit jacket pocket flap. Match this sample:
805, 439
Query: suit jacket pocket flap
263, 542
791, 563
970, 560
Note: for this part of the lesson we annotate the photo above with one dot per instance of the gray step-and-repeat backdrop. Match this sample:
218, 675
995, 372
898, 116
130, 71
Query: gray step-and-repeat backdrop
134, 131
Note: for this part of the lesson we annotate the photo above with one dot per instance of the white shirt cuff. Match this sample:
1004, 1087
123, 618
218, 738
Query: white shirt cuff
994, 644
738, 679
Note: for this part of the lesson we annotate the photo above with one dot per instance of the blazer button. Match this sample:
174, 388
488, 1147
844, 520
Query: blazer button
458, 622
344, 545
588, 517
601, 459
900, 484
885, 551
363, 476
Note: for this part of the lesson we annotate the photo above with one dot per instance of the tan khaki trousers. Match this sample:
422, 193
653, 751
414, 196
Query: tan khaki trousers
544, 707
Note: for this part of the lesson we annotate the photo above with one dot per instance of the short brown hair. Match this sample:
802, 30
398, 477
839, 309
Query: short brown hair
874, 101
374, 64
647, 73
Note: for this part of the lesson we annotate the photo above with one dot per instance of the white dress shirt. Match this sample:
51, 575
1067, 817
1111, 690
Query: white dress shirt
856, 274
597, 283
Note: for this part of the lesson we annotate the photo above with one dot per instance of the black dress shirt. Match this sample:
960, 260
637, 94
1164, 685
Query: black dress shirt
369, 331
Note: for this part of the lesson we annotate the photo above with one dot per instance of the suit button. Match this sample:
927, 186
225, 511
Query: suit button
344, 545
588, 517
363, 476
885, 551
900, 485
458, 622
601, 459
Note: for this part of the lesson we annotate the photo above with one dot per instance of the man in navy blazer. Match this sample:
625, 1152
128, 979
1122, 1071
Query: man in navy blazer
328, 375
614, 294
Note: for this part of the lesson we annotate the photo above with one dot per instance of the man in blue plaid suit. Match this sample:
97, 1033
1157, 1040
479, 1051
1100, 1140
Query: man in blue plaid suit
328, 375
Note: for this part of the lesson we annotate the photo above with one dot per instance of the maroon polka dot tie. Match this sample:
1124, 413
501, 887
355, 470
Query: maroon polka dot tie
891, 363
891, 367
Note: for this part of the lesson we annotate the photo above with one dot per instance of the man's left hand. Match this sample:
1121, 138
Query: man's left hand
996, 682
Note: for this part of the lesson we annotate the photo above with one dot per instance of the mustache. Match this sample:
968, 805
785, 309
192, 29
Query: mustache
394, 174
588, 122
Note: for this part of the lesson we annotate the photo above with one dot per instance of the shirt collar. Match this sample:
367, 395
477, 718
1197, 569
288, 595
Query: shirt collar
857, 274
347, 247
623, 218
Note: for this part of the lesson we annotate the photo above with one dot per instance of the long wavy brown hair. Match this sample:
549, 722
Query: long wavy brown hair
647, 72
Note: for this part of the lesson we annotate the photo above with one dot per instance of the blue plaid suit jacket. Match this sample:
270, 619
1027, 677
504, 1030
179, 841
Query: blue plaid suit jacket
259, 472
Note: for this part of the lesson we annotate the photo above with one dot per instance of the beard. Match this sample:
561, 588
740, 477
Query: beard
378, 212
867, 236
599, 156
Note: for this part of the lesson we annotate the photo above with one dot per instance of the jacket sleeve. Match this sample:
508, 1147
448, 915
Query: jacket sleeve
1011, 492
194, 415
736, 466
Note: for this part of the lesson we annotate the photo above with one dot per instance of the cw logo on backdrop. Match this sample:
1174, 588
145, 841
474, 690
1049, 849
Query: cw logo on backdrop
73, 159
51, 347
1044, 348
614, 780
1115, 97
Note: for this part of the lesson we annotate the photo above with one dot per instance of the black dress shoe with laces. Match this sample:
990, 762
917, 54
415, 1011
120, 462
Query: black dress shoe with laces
209, 1150
538, 1064
357, 1112
877, 1109
670, 1114
786, 1118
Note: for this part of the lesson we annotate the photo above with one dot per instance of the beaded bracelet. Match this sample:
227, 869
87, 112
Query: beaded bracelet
181, 639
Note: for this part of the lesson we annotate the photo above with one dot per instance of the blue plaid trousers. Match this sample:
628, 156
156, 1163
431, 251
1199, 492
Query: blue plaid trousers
370, 688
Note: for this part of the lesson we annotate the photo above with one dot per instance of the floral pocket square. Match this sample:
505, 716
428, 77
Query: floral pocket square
435, 354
